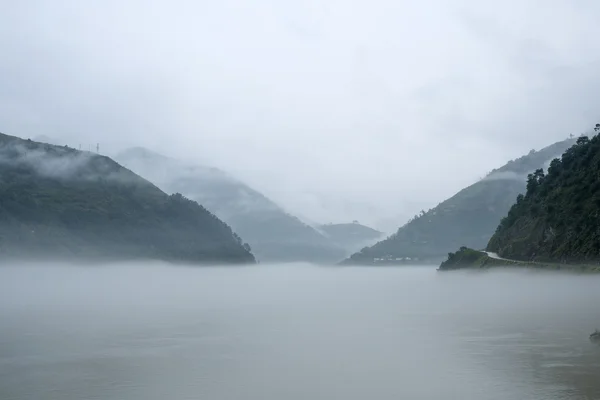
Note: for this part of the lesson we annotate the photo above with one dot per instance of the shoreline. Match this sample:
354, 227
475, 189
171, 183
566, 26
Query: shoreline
484, 261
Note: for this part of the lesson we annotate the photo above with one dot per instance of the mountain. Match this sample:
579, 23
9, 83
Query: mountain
558, 218
60, 203
466, 219
350, 236
48, 140
273, 234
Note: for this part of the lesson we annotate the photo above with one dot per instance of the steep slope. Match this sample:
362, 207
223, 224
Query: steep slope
350, 236
57, 202
273, 234
558, 218
467, 218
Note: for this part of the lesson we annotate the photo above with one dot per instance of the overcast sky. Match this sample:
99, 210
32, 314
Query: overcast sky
336, 109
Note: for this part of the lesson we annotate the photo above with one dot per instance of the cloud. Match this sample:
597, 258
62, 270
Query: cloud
338, 110
505, 176
63, 163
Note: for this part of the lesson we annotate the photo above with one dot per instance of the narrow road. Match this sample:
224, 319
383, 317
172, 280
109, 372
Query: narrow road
540, 263
496, 256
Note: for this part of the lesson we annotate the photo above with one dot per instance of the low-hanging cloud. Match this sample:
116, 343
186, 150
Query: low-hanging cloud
211, 187
505, 175
64, 163
336, 110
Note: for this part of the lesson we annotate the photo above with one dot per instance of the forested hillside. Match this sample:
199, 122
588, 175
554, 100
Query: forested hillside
60, 203
468, 218
558, 218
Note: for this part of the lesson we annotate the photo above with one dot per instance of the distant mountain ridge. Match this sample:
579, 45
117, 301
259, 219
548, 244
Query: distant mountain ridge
60, 203
466, 219
350, 236
273, 234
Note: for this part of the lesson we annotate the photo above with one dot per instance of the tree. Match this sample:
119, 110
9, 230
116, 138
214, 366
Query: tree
520, 198
582, 140
539, 174
237, 238
534, 180
555, 166
558, 218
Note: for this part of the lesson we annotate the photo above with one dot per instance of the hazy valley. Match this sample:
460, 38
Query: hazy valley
60, 202
300, 200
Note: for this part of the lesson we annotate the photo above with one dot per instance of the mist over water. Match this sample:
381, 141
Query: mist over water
295, 332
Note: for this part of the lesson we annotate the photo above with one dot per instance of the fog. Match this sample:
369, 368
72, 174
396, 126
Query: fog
155, 331
63, 163
336, 110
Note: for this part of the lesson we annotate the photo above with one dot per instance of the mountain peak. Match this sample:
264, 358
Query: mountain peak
58, 202
466, 219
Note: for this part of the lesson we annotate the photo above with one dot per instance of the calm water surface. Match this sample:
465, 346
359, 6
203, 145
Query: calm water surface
295, 332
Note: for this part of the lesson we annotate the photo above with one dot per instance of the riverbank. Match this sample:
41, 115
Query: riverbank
467, 258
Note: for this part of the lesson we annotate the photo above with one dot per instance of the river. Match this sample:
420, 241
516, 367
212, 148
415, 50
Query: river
295, 332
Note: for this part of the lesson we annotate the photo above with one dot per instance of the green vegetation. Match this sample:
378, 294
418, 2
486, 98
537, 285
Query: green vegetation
467, 218
275, 235
558, 218
59, 203
474, 259
464, 258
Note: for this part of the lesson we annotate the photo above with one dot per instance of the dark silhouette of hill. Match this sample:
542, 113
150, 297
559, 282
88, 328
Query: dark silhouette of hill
60, 203
558, 217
